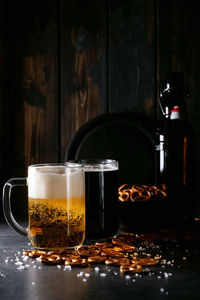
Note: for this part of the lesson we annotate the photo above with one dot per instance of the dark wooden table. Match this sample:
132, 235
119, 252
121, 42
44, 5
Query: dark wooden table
30, 279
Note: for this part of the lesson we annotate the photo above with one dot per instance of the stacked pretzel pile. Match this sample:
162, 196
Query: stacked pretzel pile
118, 252
141, 193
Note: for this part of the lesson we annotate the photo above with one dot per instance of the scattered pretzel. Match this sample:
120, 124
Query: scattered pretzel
128, 248
70, 256
130, 269
112, 253
87, 251
103, 245
76, 262
96, 259
117, 261
61, 252
146, 261
53, 259
34, 253
123, 241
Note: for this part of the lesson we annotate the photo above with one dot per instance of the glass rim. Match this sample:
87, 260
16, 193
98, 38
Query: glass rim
91, 163
70, 165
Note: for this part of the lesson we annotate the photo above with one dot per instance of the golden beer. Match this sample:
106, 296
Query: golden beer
56, 208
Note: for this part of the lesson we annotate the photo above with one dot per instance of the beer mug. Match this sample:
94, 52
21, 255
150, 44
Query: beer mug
56, 205
101, 197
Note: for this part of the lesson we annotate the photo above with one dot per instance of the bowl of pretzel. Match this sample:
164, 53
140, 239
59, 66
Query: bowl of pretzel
141, 207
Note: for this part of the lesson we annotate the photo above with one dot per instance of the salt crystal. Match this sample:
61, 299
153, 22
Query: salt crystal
103, 275
184, 258
25, 258
133, 280
115, 273
33, 283
27, 266
19, 263
136, 275
96, 269
87, 275
162, 290
21, 268
84, 279
159, 277
128, 277
6, 260
166, 275
58, 266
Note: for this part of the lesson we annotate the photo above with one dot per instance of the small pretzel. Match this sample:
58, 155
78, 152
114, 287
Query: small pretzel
53, 259
117, 261
123, 196
61, 252
103, 245
77, 262
130, 269
87, 251
121, 187
123, 240
34, 253
112, 253
128, 248
96, 259
146, 261
70, 256
125, 235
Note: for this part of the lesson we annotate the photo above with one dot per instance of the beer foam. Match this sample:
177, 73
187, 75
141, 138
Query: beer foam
55, 183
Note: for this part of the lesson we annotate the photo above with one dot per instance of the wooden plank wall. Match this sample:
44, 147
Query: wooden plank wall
63, 63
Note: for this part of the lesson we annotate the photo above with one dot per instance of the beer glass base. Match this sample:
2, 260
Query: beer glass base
54, 248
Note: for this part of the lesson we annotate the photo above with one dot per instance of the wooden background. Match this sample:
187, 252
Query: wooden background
63, 63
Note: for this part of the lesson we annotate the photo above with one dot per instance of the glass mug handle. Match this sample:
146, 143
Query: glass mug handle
7, 203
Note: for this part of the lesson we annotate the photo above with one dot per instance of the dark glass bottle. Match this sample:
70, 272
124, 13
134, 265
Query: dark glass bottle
174, 152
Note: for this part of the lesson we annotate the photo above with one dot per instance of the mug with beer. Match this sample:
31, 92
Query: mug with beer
101, 197
56, 205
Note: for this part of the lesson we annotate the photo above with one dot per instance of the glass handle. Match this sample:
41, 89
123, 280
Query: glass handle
7, 203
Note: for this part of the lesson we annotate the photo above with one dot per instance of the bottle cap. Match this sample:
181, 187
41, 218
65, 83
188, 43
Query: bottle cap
175, 109
175, 113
